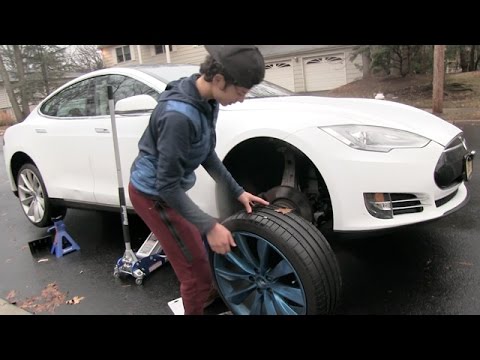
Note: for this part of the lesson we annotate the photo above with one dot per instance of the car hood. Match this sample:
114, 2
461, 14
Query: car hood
324, 111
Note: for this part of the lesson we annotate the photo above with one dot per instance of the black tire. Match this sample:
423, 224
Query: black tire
34, 200
282, 265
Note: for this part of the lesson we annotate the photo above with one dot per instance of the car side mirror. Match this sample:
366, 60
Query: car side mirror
135, 104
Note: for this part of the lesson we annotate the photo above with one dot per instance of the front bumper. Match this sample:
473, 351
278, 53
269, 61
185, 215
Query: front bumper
349, 173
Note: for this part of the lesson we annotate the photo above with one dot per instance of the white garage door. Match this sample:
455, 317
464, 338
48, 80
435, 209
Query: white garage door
324, 72
280, 73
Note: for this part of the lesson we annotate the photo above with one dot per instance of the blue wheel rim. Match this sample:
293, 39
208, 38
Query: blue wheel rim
256, 279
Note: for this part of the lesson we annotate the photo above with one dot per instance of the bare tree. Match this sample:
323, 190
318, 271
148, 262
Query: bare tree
24, 98
47, 64
33, 71
438, 78
472, 65
86, 58
8, 87
364, 51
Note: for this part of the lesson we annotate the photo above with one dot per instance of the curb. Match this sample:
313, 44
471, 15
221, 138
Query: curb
9, 309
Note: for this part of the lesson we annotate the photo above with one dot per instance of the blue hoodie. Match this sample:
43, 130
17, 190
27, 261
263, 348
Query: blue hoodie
179, 138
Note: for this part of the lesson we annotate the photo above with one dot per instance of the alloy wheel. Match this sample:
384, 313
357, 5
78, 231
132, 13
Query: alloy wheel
255, 278
31, 195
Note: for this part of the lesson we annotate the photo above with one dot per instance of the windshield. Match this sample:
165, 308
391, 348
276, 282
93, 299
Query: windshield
167, 73
267, 89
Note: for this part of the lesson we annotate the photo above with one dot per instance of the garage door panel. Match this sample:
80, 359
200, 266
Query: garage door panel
280, 73
324, 72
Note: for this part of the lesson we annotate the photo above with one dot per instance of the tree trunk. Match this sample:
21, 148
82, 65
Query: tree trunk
44, 72
11, 96
366, 64
471, 65
21, 81
438, 78
463, 59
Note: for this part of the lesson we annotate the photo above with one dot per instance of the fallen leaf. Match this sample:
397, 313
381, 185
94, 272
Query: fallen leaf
75, 300
24, 247
48, 300
465, 263
11, 296
42, 260
283, 210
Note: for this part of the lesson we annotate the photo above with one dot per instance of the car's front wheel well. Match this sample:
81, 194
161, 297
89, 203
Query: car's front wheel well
274, 168
18, 160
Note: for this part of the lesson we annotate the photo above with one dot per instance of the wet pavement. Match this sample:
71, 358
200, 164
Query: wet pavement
432, 268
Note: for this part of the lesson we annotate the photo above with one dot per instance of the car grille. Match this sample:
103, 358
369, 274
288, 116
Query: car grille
405, 204
449, 169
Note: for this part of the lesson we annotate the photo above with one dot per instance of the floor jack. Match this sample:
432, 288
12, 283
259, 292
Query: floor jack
150, 256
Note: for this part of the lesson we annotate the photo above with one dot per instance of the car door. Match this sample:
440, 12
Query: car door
61, 143
129, 130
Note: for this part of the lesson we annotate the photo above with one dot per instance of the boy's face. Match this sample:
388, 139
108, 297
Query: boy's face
227, 95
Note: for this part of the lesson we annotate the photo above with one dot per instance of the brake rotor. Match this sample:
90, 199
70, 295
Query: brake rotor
288, 197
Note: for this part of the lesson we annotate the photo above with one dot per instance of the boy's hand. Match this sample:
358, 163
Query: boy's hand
247, 199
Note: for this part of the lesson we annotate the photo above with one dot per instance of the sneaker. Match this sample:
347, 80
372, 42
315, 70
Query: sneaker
212, 296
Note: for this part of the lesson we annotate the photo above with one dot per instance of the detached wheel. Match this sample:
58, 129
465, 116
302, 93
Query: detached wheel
282, 265
34, 199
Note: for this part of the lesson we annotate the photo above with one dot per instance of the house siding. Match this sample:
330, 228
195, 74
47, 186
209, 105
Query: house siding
108, 55
4, 101
181, 54
189, 54
298, 74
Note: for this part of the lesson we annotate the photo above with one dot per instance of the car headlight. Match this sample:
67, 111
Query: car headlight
375, 138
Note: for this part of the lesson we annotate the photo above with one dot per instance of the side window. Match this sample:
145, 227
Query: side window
74, 101
124, 87
161, 49
123, 53
101, 96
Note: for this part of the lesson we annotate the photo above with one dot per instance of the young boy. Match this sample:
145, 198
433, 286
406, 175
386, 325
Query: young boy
179, 138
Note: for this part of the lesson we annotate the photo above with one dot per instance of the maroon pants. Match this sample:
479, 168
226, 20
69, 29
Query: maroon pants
183, 245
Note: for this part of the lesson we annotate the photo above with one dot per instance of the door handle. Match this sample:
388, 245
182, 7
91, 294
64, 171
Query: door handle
102, 130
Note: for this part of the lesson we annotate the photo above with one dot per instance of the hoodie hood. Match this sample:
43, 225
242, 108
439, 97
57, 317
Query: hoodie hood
185, 90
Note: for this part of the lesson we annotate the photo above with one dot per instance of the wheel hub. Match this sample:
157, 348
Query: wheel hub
286, 196
261, 282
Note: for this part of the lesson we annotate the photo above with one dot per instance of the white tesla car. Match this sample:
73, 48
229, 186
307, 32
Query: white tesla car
353, 165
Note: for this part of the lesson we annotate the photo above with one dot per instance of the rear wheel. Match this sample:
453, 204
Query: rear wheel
282, 265
33, 197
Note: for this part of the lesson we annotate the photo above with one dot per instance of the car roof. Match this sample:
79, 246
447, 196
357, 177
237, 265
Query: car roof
161, 72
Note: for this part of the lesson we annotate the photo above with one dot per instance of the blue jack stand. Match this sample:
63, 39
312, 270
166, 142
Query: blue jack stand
61, 234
